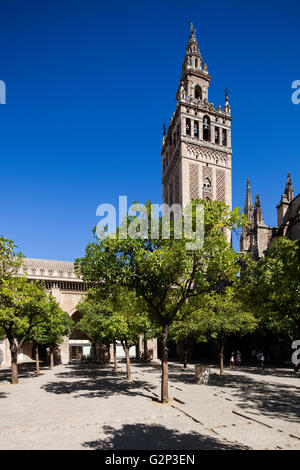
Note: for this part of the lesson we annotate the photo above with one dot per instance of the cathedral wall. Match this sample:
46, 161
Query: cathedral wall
294, 231
4, 353
263, 239
67, 300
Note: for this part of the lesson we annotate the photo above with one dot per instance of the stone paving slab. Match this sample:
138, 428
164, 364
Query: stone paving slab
76, 407
266, 400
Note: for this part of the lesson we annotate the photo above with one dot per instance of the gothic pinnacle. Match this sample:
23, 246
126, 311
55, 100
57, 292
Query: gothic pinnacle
248, 202
289, 190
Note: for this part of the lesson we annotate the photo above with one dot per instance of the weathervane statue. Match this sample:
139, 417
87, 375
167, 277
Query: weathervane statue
193, 30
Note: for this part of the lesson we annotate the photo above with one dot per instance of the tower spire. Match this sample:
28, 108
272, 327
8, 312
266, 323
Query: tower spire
198, 138
193, 30
289, 190
258, 216
248, 211
193, 58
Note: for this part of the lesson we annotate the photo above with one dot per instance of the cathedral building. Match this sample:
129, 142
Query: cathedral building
196, 147
196, 160
257, 238
196, 163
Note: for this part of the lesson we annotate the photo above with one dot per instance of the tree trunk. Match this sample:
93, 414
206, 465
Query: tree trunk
14, 366
126, 349
115, 358
107, 356
185, 352
37, 358
164, 366
14, 350
146, 352
51, 357
221, 349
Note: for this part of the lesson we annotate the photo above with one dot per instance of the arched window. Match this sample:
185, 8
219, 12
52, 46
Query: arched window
196, 129
224, 137
206, 128
207, 188
198, 92
217, 135
188, 127
206, 183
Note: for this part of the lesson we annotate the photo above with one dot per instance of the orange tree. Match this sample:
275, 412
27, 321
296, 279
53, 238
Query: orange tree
165, 272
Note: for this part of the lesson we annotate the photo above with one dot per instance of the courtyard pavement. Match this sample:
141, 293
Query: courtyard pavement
91, 407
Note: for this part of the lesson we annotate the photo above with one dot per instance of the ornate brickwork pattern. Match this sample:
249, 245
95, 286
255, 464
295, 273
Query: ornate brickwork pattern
193, 181
207, 155
207, 172
221, 189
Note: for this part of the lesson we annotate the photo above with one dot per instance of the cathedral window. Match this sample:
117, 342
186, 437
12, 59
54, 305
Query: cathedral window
224, 137
188, 126
196, 129
207, 188
198, 92
217, 135
206, 128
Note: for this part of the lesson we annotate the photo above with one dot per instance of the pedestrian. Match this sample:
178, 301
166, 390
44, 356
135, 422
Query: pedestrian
231, 361
238, 359
262, 361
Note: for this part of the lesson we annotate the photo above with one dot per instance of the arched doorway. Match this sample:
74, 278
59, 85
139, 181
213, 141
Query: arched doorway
81, 348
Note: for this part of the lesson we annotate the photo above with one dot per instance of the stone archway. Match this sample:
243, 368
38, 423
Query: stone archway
80, 347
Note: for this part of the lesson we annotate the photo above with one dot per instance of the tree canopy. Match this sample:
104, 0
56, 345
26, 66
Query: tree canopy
165, 273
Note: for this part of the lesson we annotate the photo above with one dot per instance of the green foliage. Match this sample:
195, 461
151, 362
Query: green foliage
55, 325
186, 326
164, 272
23, 306
112, 317
271, 287
10, 259
222, 314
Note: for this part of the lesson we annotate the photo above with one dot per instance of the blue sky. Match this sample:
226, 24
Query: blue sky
90, 83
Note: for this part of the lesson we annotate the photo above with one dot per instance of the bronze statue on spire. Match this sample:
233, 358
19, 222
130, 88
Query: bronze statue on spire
193, 30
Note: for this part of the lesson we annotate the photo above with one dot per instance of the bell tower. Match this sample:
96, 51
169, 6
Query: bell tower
196, 147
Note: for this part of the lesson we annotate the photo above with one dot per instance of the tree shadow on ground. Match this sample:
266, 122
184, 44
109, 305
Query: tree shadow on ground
3, 395
141, 436
148, 366
25, 371
182, 377
272, 372
177, 373
87, 373
101, 385
269, 399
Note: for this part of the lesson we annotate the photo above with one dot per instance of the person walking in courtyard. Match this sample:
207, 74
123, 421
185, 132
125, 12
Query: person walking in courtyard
231, 361
260, 359
238, 359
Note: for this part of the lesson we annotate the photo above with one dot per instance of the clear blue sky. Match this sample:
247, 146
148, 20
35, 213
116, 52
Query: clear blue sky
90, 83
